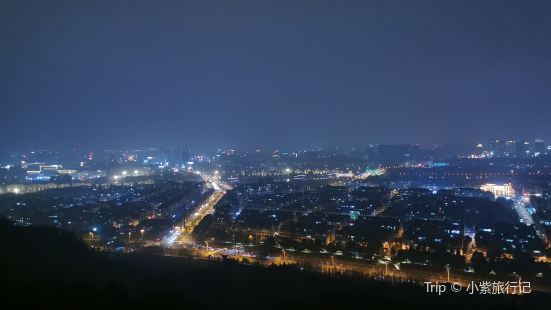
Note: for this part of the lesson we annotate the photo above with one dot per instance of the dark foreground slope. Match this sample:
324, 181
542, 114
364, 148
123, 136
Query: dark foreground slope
43, 267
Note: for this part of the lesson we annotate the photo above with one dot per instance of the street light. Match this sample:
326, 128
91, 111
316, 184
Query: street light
142, 231
448, 268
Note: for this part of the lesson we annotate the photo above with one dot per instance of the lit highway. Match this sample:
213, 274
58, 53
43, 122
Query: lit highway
525, 217
333, 264
522, 212
182, 231
201, 211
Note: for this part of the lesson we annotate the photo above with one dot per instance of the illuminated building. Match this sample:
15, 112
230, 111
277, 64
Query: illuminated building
45, 172
503, 190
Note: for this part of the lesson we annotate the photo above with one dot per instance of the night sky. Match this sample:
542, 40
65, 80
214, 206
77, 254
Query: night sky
284, 74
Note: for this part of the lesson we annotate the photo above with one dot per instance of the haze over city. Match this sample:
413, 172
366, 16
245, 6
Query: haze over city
281, 74
264, 154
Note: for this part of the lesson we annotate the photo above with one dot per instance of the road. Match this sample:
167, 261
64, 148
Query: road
333, 264
182, 231
522, 212
207, 207
525, 217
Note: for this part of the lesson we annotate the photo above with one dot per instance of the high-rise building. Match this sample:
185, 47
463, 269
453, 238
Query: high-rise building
495, 147
500, 148
539, 147
521, 148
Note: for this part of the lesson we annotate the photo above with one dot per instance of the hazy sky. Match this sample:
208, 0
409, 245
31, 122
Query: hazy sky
272, 73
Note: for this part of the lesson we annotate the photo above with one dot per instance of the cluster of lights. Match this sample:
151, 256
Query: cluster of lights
124, 174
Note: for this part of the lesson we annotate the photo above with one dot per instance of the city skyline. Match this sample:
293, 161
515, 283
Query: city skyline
261, 154
492, 147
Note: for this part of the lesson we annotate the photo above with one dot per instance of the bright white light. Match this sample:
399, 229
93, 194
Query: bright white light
136, 171
124, 172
